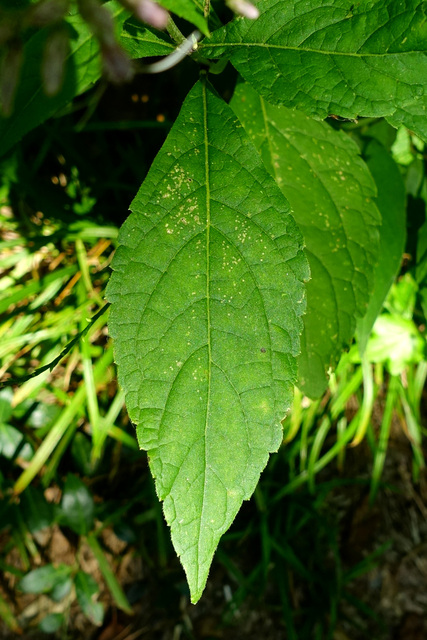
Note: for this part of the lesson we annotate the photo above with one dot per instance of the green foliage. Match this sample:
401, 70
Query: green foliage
207, 293
207, 283
336, 59
322, 175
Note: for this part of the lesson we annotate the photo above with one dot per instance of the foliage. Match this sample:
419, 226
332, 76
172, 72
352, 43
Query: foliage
207, 294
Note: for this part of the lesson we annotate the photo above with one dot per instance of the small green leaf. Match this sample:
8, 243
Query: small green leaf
36, 511
86, 590
206, 316
141, 41
52, 622
11, 443
61, 589
44, 579
77, 507
391, 202
189, 10
360, 59
331, 193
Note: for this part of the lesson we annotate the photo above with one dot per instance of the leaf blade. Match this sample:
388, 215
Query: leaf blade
215, 252
320, 172
369, 60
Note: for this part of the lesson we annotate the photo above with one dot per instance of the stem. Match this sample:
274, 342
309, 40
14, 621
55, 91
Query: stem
206, 7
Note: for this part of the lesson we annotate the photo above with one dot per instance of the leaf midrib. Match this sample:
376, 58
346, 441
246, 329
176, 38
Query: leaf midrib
208, 310
266, 45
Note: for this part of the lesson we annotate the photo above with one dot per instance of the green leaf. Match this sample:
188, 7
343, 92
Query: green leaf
83, 69
206, 302
77, 507
189, 10
36, 511
330, 190
6, 397
365, 59
61, 589
44, 579
86, 590
52, 622
141, 41
11, 443
391, 202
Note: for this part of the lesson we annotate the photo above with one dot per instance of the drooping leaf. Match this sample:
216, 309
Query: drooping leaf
361, 59
206, 300
391, 203
330, 191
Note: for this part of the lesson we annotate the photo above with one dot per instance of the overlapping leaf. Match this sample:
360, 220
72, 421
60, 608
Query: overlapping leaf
361, 59
391, 203
330, 190
206, 300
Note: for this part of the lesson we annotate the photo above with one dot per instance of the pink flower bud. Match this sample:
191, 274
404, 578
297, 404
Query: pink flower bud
244, 8
151, 13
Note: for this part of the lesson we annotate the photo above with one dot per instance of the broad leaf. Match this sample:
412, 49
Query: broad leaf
361, 59
391, 203
330, 190
206, 302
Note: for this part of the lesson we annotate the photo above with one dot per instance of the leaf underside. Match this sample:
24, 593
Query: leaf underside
206, 300
331, 192
365, 59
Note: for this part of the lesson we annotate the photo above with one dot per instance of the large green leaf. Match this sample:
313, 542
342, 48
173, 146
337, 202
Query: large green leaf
361, 59
391, 203
206, 300
330, 190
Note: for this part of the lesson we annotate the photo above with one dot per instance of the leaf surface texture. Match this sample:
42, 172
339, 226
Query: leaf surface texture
206, 300
331, 194
365, 59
